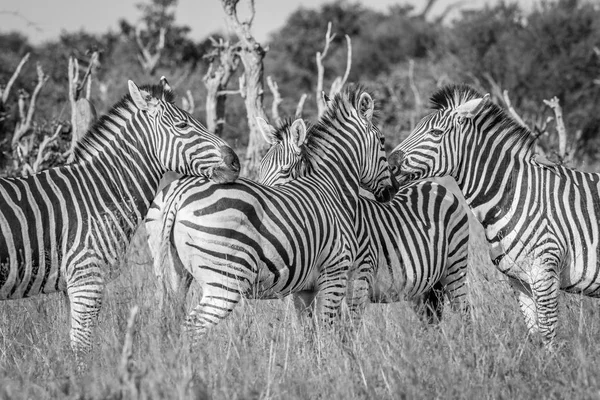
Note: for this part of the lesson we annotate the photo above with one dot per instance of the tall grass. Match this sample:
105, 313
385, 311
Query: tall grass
263, 351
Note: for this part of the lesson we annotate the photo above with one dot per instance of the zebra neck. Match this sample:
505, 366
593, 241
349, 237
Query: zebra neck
488, 175
127, 182
340, 176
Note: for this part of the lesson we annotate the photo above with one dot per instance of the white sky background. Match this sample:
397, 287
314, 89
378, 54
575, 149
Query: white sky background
42, 20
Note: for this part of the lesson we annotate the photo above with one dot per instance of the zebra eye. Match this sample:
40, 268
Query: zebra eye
436, 132
181, 125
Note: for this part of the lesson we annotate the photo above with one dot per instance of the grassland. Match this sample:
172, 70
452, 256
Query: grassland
262, 350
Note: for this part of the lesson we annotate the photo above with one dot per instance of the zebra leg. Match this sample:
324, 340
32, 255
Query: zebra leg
85, 290
304, 303
331, 288
430, 305
546, 287
527, 304
454, 285
357, 295
172, 300
221, 292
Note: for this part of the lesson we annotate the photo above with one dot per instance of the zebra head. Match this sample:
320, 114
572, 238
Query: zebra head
435, 146
283, 162
179, 141
348, 118
375, 173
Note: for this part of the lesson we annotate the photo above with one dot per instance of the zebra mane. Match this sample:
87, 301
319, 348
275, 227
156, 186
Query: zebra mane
347, 98
452, 96
90, 138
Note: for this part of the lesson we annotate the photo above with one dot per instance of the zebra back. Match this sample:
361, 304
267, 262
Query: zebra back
66, 228
408, 246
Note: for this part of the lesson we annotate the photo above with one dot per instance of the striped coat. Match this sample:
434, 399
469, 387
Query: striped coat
542, 220
246, 239
66, 228
414, 247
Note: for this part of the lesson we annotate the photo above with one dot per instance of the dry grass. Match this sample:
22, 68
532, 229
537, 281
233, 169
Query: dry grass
262, 350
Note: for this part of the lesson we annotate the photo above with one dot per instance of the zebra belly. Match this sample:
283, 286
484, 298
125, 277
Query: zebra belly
18, 280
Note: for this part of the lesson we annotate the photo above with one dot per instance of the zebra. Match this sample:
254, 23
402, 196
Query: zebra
66, 228
414, 247
249, 240
541, 219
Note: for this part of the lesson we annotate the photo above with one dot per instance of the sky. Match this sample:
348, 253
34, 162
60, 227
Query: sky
43, 20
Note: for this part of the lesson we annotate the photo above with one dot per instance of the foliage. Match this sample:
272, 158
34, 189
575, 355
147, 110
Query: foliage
263, 351
535, 56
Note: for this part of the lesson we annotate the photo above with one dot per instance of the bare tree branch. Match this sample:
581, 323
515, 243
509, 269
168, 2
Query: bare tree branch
339, 82
554, 104
427, 8
42, 155
24, 124
300, 106
251, 54
276, 99
6, 91
187, 102
320, 56
29, 22
413, 85
148, 59
224, 61
512, 111
440, 18
83, 114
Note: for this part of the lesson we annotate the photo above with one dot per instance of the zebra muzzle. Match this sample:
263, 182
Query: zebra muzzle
228, 170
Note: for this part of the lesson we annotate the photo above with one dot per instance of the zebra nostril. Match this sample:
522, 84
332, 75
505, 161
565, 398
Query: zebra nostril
230, 158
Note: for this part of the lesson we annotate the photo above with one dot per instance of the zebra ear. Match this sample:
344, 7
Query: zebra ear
267, 130
325, 98
472, 107
142, 98
165, 85
366, 106
298, 131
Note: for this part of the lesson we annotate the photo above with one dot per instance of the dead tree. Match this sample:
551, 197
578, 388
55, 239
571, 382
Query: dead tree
277, 100
83, 114
187, 102
5, 89
26, 107
224, 62
150, 55
338, 82
251, 54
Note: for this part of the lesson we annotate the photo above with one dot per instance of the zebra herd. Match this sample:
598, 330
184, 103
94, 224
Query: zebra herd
307, 227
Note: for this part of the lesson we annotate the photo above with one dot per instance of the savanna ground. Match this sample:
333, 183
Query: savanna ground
262, 350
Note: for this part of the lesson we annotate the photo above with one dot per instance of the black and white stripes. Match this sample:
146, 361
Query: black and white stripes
246, 239
66, 228
541, 220
417, 242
